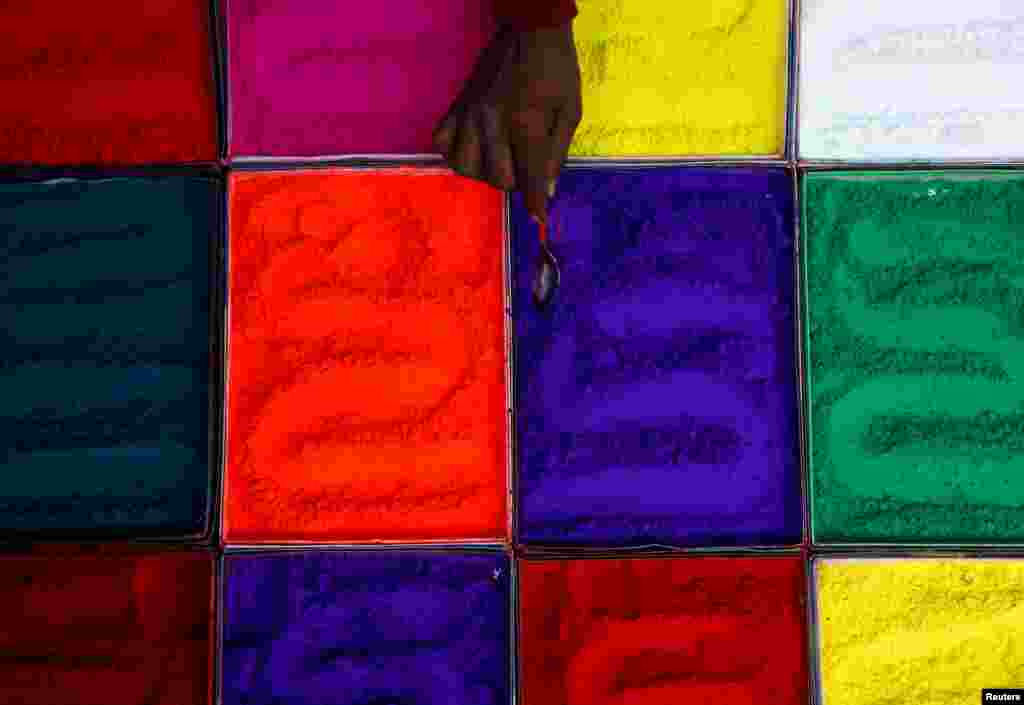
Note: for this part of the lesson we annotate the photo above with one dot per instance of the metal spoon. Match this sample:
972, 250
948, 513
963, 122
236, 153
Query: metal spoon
548, 275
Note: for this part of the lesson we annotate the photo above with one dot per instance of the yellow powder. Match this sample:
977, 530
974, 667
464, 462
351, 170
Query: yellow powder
922, 631
672, 77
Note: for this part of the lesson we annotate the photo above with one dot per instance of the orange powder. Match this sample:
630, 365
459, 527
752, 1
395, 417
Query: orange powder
366, 389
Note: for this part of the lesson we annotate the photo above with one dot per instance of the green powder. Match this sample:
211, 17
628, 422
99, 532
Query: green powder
915, 355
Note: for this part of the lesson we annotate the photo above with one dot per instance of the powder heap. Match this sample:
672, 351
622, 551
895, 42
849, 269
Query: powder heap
657, 631
310, 80
928, 631
86, 627
656, 395
354, 628
125, 82
105, 355
663, 77
366, 393
911, 80
916, 356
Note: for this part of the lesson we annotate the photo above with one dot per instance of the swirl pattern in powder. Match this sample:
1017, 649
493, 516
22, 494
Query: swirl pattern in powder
662, 631
367, 395
132, 84
106, 303
366, 628
655, 398
117, 626
915, 350
316, 78
662, 77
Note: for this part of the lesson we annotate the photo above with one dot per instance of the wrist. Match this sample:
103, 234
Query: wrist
535, 15
547, 36
552, 29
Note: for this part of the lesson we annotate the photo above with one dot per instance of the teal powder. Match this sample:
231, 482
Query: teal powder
915, 356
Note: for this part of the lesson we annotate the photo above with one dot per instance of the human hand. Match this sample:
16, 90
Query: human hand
514, 121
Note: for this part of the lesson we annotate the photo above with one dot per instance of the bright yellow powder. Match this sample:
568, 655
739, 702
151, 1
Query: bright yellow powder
922, 631
682, 77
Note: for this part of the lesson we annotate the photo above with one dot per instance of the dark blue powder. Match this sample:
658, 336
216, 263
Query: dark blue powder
105, 295
375, 627
656, 396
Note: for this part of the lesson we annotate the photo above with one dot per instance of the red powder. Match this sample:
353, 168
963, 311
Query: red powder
662, 631
366, 384
117, 82
97, 628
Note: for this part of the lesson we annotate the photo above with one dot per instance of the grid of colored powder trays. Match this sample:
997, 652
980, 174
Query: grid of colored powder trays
283, 424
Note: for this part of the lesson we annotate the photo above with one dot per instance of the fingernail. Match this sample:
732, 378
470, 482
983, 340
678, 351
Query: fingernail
551, 188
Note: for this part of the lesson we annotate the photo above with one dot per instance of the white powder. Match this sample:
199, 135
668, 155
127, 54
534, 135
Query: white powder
884, 80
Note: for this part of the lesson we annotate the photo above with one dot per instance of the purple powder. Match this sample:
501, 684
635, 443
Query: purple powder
322, 77
656, 398
366, 628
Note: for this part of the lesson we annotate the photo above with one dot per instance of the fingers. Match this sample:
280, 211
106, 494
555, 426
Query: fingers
499, 170
446, 132
531, 180
565, 128
531, 149
466, 158
485, 72
477, 147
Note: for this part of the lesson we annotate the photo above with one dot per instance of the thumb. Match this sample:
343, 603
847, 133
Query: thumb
531, 159
535, 197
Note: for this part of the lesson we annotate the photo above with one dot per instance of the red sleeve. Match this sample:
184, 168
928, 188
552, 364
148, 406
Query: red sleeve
534, 14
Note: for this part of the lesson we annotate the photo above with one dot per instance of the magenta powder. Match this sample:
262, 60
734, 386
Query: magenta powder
323, 77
